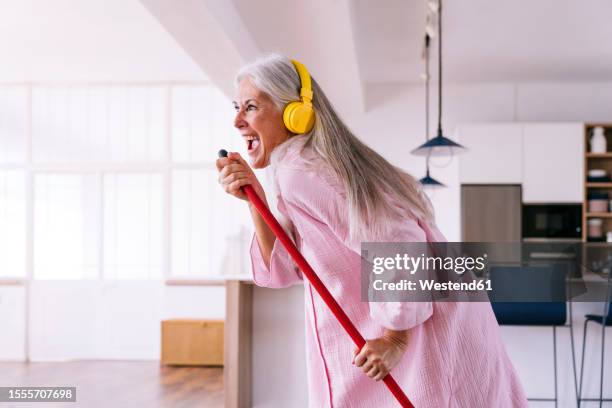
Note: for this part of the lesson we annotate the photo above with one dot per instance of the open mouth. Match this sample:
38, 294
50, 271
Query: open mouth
252, 143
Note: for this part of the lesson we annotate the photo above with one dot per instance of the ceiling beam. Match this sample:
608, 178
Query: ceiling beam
221, 36
211, 32
332, 47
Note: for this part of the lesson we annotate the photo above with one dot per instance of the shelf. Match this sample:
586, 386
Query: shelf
600, 244
599, 155
599, 185
592, 161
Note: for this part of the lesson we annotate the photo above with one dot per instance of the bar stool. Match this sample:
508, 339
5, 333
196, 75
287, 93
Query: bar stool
604, 320
537, 283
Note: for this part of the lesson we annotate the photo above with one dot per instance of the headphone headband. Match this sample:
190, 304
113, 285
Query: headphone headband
306, 89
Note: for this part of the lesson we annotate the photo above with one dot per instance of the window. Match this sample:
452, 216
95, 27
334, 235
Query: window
13, 224
207, 226
13, 129
98, 124
13, 124
66, 226
205, 221
202, 123
132, 226
123, 182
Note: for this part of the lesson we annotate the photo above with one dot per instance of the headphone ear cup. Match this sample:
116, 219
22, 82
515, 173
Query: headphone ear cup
298, 117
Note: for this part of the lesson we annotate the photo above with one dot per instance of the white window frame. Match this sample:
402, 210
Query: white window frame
165, 167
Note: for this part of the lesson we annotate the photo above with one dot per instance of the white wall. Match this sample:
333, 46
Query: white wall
12, 321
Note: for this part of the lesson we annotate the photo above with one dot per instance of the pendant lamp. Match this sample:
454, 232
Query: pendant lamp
428, 181
439, 145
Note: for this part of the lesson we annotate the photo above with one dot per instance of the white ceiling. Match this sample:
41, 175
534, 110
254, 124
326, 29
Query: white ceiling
88, 40
348, 44
488, 41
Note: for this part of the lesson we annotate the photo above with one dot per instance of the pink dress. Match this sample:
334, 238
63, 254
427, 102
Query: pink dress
455, 356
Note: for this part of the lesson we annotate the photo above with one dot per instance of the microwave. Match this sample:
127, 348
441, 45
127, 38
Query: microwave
552, 221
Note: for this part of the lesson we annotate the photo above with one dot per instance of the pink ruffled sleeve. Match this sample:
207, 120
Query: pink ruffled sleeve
326, 203
282, 272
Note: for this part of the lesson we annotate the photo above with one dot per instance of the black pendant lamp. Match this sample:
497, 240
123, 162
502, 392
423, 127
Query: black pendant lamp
439, 145
428, 181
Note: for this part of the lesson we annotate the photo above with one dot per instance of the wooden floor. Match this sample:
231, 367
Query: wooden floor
120, 383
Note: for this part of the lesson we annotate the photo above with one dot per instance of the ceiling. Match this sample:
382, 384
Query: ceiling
88, 40
488, 41
349, 44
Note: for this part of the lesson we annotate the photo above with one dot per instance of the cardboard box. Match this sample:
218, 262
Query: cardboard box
192, 342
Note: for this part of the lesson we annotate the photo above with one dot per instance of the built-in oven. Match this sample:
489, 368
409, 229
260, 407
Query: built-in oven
552, 221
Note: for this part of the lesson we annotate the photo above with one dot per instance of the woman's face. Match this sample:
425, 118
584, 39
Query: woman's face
260, 123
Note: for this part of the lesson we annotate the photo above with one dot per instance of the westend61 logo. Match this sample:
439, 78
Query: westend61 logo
411, 264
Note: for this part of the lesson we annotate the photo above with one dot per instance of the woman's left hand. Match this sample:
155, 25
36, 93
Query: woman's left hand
378, 357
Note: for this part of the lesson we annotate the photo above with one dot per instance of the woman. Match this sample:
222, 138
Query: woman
337, 192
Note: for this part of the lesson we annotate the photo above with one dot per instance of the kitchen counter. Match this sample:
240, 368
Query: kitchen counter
265, 363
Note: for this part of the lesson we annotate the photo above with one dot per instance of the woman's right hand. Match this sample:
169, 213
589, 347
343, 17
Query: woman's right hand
234, 173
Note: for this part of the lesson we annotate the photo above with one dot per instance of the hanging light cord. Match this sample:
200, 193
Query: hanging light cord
440, 166
427, 43
439, 67
439, 88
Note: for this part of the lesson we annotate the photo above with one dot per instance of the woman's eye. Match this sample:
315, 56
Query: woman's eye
251, 107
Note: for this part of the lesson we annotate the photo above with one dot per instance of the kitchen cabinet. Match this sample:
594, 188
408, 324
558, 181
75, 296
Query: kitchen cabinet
545, 158
494, 153
553, 164
491, 213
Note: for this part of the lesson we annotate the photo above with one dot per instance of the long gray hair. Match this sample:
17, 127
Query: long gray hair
378, 193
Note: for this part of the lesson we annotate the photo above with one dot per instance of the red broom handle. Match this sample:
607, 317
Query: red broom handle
314, 280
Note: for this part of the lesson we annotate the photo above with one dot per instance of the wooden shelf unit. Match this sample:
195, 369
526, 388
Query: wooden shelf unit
596, 161
599, 215
599, 185
599, 155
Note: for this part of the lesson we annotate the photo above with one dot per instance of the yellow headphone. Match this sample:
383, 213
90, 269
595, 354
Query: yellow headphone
299, 116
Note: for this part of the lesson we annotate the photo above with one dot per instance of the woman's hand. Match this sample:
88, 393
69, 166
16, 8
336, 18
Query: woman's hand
234, 173
378, 357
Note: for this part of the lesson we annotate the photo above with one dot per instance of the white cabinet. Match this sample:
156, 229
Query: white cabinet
494, 153
546, 158
553, 165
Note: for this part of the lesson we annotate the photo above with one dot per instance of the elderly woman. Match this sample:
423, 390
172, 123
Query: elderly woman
337, 192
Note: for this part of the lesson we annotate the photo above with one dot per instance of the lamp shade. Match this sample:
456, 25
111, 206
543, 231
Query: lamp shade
438, 146
430, 182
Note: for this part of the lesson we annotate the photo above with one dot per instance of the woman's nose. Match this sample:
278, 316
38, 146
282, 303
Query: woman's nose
239, 121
